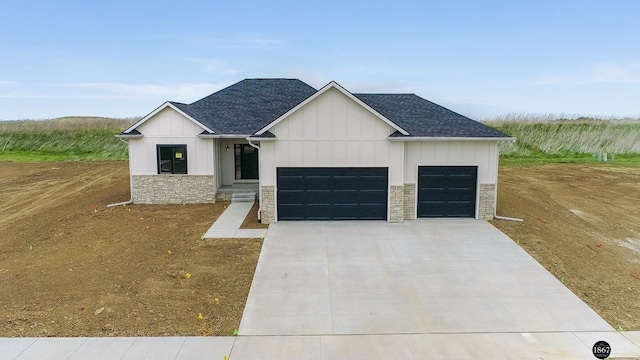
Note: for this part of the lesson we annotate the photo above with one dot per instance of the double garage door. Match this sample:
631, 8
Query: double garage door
332, 193
362, 193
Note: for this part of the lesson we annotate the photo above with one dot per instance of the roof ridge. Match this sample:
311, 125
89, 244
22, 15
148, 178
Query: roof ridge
386, 94
276, 78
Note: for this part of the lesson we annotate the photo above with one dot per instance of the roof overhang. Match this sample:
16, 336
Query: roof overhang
259, 138
438, 138
162, 107
333, 85
129, 136
206, 135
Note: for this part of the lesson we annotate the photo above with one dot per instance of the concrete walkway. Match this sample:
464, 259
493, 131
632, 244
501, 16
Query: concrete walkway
228, 224
555, 345
130, 348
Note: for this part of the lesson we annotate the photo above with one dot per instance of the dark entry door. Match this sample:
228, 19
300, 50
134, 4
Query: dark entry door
332, 193
447, 191
247, 161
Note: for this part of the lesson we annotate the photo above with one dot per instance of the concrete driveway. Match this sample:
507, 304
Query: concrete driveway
418, 277
424, 289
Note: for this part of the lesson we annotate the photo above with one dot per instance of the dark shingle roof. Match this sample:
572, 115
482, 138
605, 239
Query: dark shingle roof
248, 106
422, 118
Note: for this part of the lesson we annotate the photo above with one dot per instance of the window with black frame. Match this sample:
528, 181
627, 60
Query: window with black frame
172, 159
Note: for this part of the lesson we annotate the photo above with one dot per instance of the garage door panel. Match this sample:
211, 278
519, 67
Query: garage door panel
332, 193
317, 197
447, 191
292, 197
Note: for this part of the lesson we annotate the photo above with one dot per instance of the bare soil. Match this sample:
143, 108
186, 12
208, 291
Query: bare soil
251, 221
582, 223
70, 266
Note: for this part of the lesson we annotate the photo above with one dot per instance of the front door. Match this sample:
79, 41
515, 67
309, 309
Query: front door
246, 158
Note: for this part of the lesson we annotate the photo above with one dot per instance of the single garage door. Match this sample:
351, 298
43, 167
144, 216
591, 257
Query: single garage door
447, 191
332, 193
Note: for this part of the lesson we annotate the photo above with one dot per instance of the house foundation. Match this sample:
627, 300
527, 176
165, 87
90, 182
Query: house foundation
486, 201
173, 189
268, 205
396, 197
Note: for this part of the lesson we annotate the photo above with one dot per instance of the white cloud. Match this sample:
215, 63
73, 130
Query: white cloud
7, 82
240, 42
602, 73
615, 73
104, 90
216, 66
549, 80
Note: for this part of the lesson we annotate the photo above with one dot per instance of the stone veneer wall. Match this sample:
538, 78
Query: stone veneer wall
267, 205
409, 201
396, 210
486, 199
173, 189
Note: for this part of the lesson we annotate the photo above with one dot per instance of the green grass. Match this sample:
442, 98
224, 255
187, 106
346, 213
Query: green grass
542, 140
76, 138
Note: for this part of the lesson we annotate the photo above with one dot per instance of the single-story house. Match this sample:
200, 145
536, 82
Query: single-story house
310, 154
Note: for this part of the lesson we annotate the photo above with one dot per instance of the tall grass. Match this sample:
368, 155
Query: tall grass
72, 138
541, 135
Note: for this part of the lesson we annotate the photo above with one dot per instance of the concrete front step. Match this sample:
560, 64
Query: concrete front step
243, 197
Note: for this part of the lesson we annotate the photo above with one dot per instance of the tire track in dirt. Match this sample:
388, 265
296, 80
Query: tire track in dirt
37, 193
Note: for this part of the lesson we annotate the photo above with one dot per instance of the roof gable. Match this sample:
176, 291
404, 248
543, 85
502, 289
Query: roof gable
178, 107
333, 85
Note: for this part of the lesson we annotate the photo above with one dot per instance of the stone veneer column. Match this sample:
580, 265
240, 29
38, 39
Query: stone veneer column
173, 189
486, 199
396, 209
409, 201
267, 205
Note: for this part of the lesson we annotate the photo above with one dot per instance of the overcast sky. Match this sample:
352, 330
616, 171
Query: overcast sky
480, 58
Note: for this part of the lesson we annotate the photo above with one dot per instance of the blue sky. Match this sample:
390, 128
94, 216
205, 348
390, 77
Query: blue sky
479, 58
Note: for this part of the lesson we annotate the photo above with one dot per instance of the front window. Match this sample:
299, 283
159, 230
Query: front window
172, 159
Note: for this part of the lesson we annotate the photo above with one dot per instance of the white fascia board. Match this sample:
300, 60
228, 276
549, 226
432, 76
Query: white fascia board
261, 138
333, 85
435, 138
222, 136
162, 107
125, 136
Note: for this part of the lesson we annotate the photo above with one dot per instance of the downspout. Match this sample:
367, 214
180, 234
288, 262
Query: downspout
495, 199
259, 179
130, 185
505, 218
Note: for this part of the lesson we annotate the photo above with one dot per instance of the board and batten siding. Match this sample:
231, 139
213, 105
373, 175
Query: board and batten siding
170, 127
483, 154
331, 131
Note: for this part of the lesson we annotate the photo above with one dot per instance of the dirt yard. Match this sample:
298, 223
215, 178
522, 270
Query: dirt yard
71, 267
582, 223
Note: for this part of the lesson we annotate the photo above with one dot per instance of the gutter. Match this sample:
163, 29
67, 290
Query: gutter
436, 138
221, 136
130, 201
259, 186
